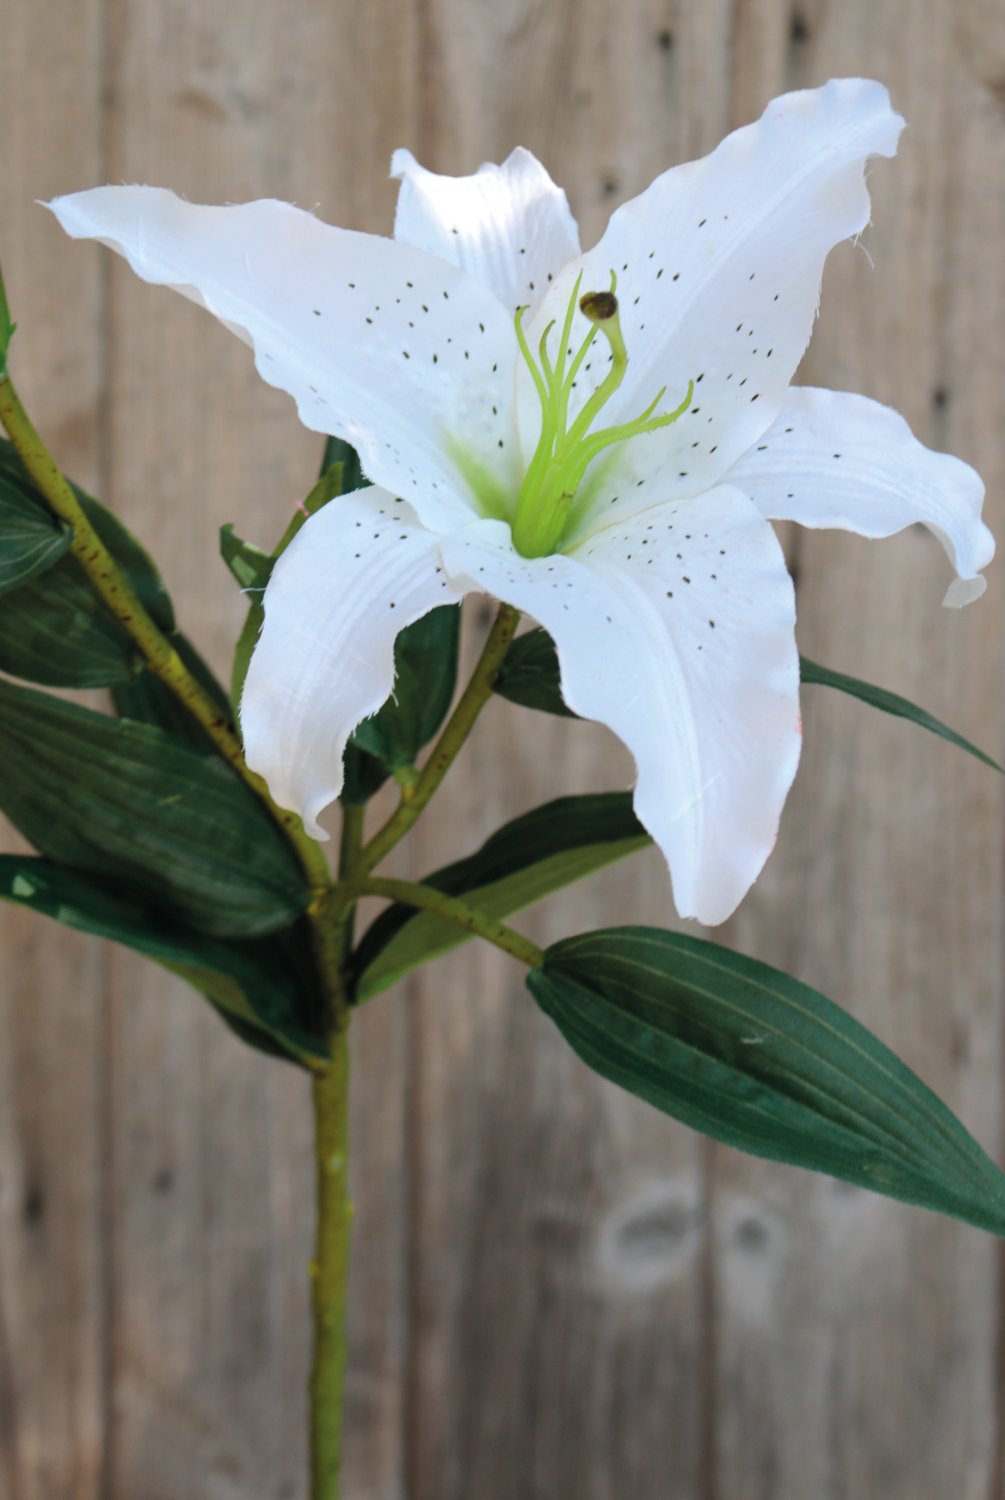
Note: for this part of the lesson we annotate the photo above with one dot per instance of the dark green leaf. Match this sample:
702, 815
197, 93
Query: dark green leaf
754, 1058
7, 328
425, 667
55, 629
248, 564
890, 703
521, 863
147, 699
134, 803
425, 672
246, 641
31, 538
247, 980
529, 674
337, 451
363, 775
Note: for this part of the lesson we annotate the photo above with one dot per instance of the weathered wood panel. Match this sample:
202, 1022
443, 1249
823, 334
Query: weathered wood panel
212, 1195
555, 1292
854, 1345
54, 1137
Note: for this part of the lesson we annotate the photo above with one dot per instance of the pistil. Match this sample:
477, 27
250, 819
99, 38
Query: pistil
564, 453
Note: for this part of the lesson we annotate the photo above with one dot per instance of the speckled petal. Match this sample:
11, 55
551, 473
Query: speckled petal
377, 342
355, 575
676, 629
834, 459
719, 265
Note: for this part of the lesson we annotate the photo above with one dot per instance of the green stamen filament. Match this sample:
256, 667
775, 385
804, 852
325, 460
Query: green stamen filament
564, 453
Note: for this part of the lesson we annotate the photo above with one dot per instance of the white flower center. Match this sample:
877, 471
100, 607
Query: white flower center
564, 452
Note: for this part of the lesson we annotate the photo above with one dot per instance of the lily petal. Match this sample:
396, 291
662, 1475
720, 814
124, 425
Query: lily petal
377, 342
508, 226
719, 265
840, 460
676, 629
355, 575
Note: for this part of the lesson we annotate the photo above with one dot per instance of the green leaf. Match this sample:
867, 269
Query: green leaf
337, 451
250, 631
134, 803
425, 673
31, 538
248, 564
363, 775
247, 980
521, 863
148, 700
7, 329
754, 1058
529, 674
55, 629
890, 703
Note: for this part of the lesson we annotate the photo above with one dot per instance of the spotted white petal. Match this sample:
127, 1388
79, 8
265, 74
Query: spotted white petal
839, 460
719, 264
355, 575
378, 342
676, 629
509, 226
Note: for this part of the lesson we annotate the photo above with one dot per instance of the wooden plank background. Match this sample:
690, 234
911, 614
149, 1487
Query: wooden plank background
556, 1293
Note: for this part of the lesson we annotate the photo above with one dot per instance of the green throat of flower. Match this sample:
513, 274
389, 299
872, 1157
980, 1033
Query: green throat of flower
564, 452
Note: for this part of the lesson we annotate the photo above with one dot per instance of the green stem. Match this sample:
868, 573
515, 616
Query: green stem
154, 646
459, 726
350, 849
330, 1265
331, 924
426, 898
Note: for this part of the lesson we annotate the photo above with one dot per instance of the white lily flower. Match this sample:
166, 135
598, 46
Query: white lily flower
599, 439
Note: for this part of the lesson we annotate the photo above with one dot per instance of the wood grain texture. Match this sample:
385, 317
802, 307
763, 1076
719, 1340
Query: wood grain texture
54, 1006
555, 1292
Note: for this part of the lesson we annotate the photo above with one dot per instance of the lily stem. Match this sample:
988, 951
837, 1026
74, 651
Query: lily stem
154, 646
329, 1267
458, 727
427, 898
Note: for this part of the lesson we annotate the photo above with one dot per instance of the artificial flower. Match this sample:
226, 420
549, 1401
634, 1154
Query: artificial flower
600, 439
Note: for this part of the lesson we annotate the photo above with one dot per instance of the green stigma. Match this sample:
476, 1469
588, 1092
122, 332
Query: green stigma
564, 452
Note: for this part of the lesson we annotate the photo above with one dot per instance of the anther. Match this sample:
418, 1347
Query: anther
565, 451
598, 306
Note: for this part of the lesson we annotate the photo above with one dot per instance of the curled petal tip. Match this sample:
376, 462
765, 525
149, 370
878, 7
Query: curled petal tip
963, 591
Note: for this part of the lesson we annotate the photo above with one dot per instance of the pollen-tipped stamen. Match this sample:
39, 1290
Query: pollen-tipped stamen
521, 338
544, 357
564, 453
570, 313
